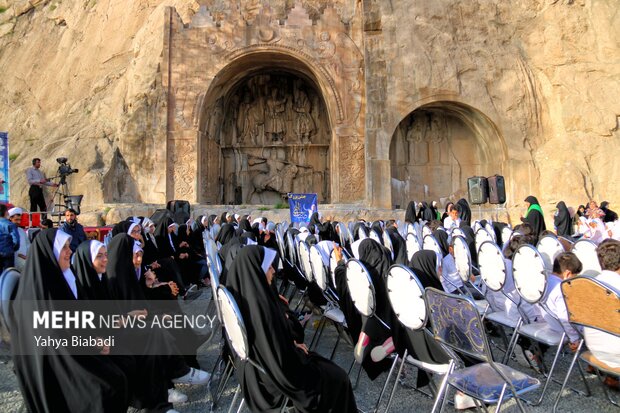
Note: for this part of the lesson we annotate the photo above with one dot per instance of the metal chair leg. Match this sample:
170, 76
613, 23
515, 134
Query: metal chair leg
331, 357
234, 400
400, 371
442, 388
387, 380
501, 399
570, 369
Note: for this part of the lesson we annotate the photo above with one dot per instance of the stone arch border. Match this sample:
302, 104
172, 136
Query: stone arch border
199, 61
489, 136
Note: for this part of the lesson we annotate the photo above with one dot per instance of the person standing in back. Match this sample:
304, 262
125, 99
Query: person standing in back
9, 240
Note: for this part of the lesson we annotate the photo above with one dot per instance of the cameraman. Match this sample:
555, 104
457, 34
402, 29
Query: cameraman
73, 228
36, 178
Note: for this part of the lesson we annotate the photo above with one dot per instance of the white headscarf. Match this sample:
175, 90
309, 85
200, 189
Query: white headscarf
131, 227
270, 255
95, 246
136, 247
60, 240
15, 211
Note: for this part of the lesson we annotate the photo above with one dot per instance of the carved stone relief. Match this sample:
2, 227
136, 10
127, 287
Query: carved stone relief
274, 140
432, 154
268, 107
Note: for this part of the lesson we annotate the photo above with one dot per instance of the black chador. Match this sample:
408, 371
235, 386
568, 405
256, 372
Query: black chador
313, 383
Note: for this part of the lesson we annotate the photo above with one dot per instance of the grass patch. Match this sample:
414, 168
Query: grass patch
3, 9
281, 205
12, 157
264, 208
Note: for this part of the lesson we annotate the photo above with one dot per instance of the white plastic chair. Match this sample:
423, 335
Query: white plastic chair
549, 247
406, 295
462, 259
585, 250
482, 236
431, 244
413, 245
237, 337
387, 242
529, 273
373, 235
493, 274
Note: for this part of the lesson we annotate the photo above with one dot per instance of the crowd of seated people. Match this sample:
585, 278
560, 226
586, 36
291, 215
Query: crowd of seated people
163, 262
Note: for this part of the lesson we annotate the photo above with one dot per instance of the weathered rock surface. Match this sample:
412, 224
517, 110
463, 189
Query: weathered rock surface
538, 79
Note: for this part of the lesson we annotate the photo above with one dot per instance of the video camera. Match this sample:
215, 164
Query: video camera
65, 169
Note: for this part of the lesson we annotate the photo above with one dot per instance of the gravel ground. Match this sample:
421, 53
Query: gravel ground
405, 400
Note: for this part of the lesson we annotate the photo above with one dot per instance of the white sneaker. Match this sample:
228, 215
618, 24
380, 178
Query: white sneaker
463, 401
175, 396
172, 411
194, 377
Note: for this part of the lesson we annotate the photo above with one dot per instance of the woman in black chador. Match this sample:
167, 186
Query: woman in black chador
51, 379
313, 383
562, 221
534, 216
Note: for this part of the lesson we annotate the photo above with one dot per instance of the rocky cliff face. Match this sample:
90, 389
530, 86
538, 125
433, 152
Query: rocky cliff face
82, 79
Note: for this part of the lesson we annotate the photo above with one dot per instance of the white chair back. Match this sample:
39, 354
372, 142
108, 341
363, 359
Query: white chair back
431, 244
457, 232
549, 247
492, 266
292, 251
482, 235
373, 234
212, 259
426, 231
361, 233
491, 231
343, 234
304, 259
413, 245
528, 272
406, 295
361, 289
233, 323
585, 250
462, 257
387, 242
318, 268
506, 234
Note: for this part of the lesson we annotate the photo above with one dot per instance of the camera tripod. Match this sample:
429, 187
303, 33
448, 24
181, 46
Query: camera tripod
56, 206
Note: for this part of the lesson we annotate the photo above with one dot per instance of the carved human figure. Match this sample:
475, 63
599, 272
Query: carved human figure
248, 121
418, 148
275, 125
278, 176
436, 142
304, 124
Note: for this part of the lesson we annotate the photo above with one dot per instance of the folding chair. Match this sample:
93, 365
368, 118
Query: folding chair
406, 295
493, 275
457, 324
549, 247
579, 294
362, 293
482, 235
373, 234
431, 244
528, 270
387, 242
332, 311
585, 250
237, 337
462, 259
413, 245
